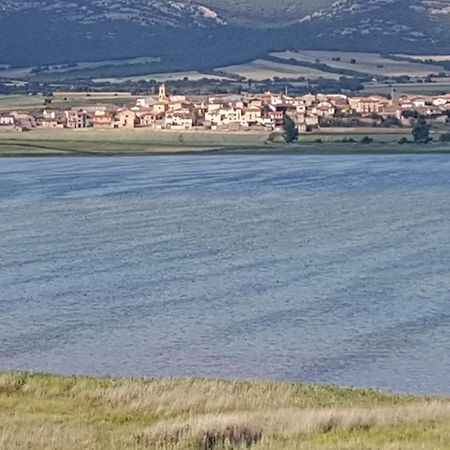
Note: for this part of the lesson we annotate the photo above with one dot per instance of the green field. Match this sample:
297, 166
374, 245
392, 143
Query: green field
261, 69
288, 64
150, 142
26, 72
161, 77
439, 86
47, 412
434, 58
106, 142
368, 63
63, 100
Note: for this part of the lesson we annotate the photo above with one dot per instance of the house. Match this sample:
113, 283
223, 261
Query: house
24, 120
273, 119
255, 103
179, 120
146, 118
365, 105
311, 121
53, 119
160, 108
324, 109
145, 102
405, 103
419, 102
251, 116
441, 100
103, 119
231, 115
7, 121
78, 119
213, 118
127, 119
178, 99
300, 105
53, 123
214, 107
309, 99
178, 106
159, 124
340, 102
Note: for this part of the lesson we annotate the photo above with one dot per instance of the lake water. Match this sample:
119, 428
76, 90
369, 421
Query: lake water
309, 268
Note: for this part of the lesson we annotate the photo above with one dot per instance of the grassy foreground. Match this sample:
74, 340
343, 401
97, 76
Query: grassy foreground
149, 142
40, 411
119, 142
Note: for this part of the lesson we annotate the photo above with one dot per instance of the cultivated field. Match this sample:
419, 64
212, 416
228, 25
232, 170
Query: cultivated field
26, 72
437, 58
92, 142
43, 411
9, 102
261, 69
368, 63
439, 86
107, 142
160, 77
63, 100
111, 62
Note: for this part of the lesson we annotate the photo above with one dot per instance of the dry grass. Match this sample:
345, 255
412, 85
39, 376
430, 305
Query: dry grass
369, 63
261, 69
43, 411
434, 58
193, 75
62, 100
117, 141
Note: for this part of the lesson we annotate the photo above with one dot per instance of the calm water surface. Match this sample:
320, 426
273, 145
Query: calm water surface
319, 269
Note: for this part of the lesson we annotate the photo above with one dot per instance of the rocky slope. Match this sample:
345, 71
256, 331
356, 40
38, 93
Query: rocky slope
55, 30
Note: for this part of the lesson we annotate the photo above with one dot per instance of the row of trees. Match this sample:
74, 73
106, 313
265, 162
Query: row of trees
420, 132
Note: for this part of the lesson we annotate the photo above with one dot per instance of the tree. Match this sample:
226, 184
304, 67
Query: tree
421, 131
366, 140
290, 129
445, 137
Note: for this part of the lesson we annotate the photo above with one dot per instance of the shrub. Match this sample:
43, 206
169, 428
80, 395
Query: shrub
366, 140
445, 137
290, 129
421, 131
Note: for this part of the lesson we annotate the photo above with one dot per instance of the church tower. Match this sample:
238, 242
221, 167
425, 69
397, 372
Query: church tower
163, 94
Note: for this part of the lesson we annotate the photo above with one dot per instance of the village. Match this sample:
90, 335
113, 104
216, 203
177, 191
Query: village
263, 113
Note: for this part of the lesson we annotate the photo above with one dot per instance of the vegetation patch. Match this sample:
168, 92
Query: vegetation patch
40, 411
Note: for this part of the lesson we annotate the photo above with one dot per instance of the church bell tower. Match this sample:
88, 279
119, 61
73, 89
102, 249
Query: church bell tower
163, 94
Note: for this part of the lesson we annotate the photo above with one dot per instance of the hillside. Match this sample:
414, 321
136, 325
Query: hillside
84, 413
214, 32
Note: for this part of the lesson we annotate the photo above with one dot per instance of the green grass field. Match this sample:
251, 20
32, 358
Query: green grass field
149, 142
105, 142
161, 77
48, 412
63, 100
369, 63
261, 69
439, 86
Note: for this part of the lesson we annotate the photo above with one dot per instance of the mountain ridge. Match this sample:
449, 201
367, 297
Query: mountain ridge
59, 31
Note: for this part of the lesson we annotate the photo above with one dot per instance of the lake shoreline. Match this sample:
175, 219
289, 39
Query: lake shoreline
177, 413
143, 142
305, 150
